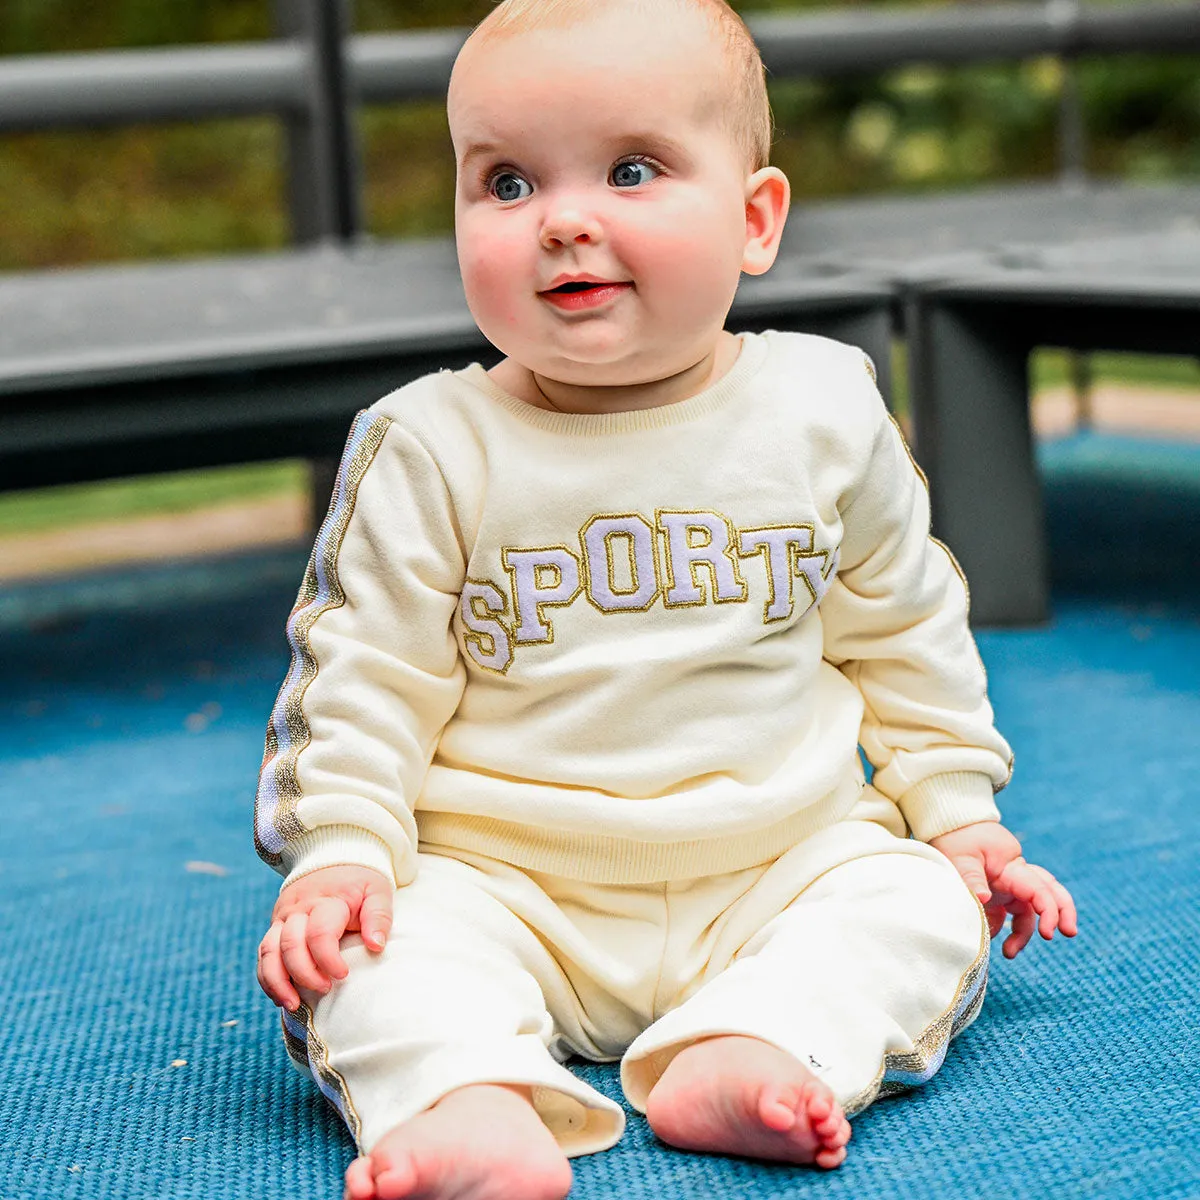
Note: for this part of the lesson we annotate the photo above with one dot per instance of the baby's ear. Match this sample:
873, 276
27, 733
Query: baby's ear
768, 196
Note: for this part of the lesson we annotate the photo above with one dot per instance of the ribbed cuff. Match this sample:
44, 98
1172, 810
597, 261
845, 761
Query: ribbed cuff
336, 846
943, 803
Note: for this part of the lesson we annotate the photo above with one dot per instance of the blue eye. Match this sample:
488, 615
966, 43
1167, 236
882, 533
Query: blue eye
507, 186
630, 174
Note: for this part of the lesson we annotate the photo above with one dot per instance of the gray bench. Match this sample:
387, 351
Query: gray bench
154, 367
972, 322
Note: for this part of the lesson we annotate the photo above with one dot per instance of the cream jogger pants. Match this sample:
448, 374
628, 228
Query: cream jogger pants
860, 953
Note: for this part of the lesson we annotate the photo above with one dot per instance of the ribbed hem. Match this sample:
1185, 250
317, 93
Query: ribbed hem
943, 803
752, 356
336, 846
605, 858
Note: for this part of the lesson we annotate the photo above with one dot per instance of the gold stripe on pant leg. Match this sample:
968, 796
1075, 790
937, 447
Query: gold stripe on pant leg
305, 1047
903, 1071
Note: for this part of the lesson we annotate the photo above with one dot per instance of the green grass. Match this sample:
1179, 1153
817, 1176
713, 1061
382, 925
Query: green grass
152, 495
1051, 368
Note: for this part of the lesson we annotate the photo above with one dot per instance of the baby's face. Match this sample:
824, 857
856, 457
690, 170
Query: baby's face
594, 155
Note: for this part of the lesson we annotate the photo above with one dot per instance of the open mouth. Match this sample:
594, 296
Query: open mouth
585, 294
567, 288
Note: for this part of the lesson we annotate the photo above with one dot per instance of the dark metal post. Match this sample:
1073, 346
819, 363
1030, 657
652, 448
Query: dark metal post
324, 195
984, 486
1072, 135
1072, 172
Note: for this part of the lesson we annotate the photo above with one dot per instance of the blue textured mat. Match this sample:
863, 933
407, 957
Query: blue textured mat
142, 1061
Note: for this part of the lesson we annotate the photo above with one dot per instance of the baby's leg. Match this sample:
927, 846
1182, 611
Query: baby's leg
435, 1052
851, 993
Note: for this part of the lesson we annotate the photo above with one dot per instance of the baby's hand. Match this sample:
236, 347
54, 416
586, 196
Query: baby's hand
988, 858
310, 916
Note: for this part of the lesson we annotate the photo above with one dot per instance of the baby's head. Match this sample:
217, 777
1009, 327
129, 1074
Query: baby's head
614, 142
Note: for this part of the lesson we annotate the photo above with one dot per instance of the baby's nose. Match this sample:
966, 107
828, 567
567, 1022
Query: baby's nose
569, 223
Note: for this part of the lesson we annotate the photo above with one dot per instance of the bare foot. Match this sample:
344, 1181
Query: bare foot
739, 1095
483, 1142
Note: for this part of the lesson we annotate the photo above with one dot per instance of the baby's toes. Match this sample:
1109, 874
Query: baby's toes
395, 1178
818, 1102
360, 1180
830, 1158
832, 1129
778, 1108
839, 1137
830, 1123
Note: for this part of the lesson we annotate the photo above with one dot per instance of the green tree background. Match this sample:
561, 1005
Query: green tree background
155, 191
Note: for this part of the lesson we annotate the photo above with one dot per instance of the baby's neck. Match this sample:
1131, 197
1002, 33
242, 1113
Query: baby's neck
556, 396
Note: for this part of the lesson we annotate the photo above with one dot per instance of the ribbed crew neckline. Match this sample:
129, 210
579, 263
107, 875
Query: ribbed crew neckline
748, 362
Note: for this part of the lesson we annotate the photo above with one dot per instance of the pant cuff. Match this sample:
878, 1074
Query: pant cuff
581, 1119
648, 1057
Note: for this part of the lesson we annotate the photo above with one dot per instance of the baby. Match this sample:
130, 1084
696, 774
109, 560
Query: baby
567, 761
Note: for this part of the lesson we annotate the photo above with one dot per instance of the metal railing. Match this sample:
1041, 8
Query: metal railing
315, 75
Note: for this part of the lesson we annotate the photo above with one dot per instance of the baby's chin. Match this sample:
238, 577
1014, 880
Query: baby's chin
593, 375
620, 370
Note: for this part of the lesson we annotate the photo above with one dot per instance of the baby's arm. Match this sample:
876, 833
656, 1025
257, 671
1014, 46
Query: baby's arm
895, 624
310, 917
375, 675
375, 671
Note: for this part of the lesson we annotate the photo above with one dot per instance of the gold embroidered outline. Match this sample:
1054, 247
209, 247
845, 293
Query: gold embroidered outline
608, 558
794, 554
539, 606
730, 553
474, 637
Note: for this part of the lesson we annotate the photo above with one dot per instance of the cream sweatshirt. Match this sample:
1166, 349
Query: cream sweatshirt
625, 647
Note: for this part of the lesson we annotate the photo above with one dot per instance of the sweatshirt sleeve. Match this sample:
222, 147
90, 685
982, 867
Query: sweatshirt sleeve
375, 672
895, 624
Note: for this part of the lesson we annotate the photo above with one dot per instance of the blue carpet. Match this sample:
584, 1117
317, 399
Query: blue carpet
142, 1061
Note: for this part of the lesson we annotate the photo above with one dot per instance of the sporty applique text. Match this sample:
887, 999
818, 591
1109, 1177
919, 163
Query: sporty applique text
626, 562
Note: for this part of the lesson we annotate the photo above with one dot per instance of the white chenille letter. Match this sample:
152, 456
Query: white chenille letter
540, 578
779, 546
809, 568
487, 641
695, 540
632, 537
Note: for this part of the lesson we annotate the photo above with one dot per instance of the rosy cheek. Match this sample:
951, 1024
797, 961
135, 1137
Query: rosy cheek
492, 271
666, 248
494, 274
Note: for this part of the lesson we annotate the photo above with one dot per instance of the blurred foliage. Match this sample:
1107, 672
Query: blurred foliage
141, 192
77, 196
50, 26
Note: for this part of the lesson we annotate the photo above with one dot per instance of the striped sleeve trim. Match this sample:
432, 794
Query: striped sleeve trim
957, 570
288, 733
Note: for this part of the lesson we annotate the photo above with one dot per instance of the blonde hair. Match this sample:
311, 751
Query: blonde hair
747, 117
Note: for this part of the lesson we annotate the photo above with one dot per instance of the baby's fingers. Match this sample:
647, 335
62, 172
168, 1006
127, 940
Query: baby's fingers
297, 959
272, 977
1029, 887
1021, 933
1068, 920
326, 923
